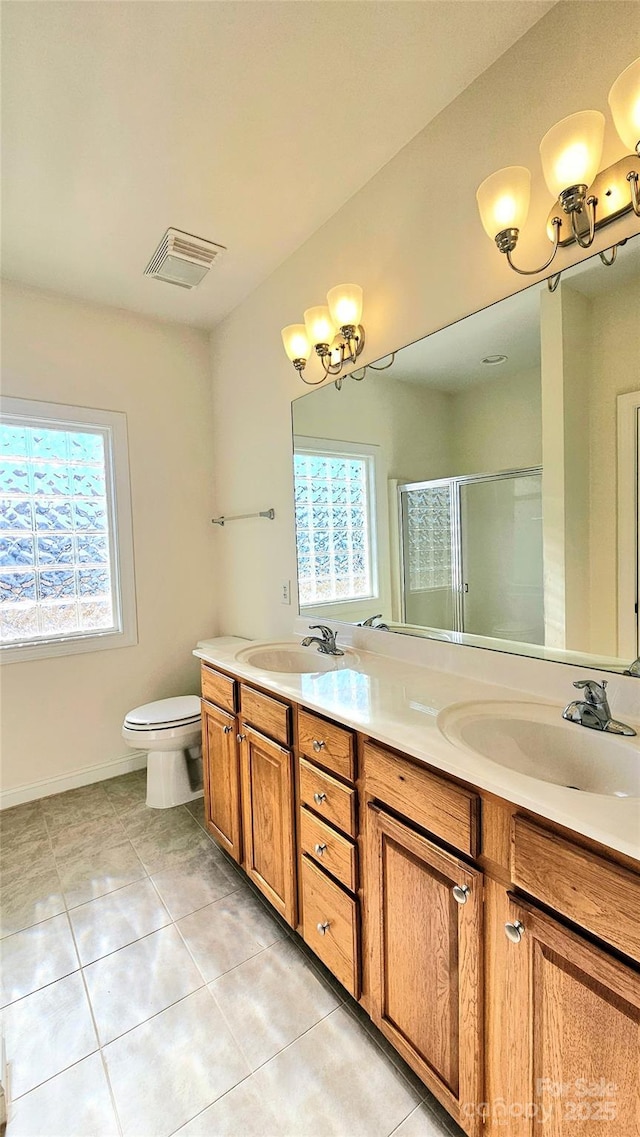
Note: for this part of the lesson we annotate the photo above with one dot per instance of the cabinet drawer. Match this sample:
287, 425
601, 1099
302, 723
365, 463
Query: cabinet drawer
330, 745
218, 688
323, 794
336, 854
442, 807
265, 714
600, 896
330, 925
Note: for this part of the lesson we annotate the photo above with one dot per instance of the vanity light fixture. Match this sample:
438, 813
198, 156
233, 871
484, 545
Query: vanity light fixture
570, 154
334, 332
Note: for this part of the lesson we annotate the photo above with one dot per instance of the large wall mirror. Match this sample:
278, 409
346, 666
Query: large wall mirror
484, 490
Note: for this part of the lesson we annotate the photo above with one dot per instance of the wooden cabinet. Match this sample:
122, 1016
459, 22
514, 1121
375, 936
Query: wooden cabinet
221, 778
425, 959
570, 1025
268, 819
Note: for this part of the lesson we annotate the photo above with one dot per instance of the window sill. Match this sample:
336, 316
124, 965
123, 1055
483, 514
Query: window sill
73, 645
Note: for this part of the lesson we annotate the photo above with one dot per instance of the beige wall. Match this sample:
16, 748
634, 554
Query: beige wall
412, 238
498, 425
63, 714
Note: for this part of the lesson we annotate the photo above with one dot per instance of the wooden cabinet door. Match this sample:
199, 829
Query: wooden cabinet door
572, 1065
268, 811
425, 960
221, 779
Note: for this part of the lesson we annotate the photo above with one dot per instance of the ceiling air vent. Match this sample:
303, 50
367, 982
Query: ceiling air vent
183, 259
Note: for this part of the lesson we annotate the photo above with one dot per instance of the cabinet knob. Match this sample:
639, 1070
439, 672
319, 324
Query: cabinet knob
318, 745
461, 893
320, 849
514, 932
241, 737
322, 928
319, 798
227, 729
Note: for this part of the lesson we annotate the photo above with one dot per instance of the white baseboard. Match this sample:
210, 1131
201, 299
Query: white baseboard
134, 760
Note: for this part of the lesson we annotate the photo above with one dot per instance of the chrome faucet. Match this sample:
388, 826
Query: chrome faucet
371, 623
633, 669
593, 711
326, 643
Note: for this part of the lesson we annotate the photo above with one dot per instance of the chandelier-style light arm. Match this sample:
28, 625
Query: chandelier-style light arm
634, 186
585, 242
556, 222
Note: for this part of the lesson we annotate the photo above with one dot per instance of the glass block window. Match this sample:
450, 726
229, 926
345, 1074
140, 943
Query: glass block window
334, 531
427, 519
59, 568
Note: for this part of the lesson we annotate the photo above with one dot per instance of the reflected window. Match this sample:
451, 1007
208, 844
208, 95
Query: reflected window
335, 538
60, 580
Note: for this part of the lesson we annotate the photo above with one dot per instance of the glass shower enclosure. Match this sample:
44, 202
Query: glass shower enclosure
471, 554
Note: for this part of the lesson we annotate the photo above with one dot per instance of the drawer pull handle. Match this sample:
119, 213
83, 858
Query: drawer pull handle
240, 737
319, 798
320, 849
322, 928
461, 893
318, 745
227, 729
514, 932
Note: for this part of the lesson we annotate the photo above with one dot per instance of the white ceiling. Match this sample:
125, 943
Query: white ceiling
247, 123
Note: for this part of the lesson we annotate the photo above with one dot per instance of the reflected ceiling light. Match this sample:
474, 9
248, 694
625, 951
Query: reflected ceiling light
494, 360
334, 332
570, 153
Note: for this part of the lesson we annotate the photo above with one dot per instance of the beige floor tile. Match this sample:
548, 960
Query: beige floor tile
21, 860
38, 956
134, 983
128, 791
30, 899
169, 1069
144, 823
228, 932
87, 836
46, 1032
118, 919
90, 875
196, 882
271, 1000
87, 803
76, 1103
333, 1081
240, 1113
423, 1123
168, 850
196, 809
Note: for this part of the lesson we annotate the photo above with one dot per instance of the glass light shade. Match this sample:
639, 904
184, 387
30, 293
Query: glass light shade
624, 100
571, 151
319, 325
296, 344
345, 304
503, 199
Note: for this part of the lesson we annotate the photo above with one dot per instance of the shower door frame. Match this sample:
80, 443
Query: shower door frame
455, 485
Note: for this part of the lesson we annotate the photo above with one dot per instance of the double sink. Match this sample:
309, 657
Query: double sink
526, 737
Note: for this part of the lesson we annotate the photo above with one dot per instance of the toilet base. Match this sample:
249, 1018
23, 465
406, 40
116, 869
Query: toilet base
168, 781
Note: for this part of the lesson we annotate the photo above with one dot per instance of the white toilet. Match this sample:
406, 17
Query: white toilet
170, 730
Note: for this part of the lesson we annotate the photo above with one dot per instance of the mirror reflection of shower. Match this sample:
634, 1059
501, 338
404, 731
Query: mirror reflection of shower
472, 554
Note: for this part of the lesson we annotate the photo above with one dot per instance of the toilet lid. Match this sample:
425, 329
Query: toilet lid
179, 711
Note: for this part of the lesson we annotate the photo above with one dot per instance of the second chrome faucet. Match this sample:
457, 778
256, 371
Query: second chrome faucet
326, 641
594, 711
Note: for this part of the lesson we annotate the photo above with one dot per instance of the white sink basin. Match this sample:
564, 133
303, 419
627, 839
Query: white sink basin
533, 739
295, 660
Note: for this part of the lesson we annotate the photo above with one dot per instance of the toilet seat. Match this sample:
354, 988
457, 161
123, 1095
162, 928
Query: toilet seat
164, 714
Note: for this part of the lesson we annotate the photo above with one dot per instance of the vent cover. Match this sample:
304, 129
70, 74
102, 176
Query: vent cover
183, 259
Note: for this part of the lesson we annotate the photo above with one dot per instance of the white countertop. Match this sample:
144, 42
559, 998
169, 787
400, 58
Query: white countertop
397, 703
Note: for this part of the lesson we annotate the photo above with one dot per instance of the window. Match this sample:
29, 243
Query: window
66, 559
334, 487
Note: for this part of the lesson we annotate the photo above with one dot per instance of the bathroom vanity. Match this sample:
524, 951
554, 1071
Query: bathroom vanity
486, 920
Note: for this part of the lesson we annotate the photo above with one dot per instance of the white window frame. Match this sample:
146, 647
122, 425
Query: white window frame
113, 427
378, 519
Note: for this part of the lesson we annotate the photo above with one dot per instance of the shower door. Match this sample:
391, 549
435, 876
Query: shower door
472, 555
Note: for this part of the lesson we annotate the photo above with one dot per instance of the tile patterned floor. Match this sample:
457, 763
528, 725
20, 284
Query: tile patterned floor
148, 990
